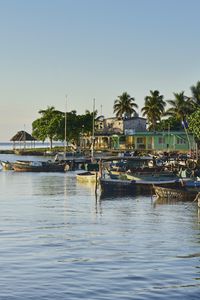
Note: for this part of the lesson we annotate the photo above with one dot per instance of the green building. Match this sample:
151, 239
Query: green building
160, 141
131, 133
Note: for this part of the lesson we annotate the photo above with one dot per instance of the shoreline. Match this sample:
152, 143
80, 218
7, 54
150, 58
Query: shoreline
7, 152
26, 152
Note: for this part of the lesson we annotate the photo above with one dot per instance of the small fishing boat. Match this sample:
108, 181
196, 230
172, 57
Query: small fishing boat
116, 186
87, 176
6, 165
155, 176
181, 194
109, 185
38, 166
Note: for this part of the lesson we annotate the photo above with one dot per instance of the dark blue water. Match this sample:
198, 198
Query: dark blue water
59, 241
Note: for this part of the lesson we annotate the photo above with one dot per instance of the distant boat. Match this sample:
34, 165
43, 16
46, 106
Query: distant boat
38, 166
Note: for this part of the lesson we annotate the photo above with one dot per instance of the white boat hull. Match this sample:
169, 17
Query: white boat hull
87, 177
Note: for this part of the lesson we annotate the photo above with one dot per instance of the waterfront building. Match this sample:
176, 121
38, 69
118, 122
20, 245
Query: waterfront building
110, 132
160, 141
131, 133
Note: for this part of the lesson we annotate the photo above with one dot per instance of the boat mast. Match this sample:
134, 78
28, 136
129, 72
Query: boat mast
92, 146
65, 141
24, 137
186, 132
168, 139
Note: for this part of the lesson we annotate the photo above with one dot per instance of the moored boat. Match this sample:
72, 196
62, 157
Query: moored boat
87, 176
135, 175
140, 186
6, 165
38, 166
180, 194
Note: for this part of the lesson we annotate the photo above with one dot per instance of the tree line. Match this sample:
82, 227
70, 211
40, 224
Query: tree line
52, 123
161, 114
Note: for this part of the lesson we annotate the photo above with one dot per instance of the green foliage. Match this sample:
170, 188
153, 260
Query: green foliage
48, 125
170, 123
195, 89
181, 106
51, 125
154, 108
194, 123
124, 105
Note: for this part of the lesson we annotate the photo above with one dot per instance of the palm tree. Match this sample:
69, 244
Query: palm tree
181, 106
154, 108
124, 105
196, 93
49, 111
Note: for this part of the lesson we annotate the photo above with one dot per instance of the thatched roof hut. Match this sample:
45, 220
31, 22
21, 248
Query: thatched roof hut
21, 137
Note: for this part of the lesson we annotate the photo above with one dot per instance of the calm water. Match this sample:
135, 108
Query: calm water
59, 241
9, 145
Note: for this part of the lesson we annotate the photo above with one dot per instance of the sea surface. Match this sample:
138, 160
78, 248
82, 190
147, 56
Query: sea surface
60, 240
9, 145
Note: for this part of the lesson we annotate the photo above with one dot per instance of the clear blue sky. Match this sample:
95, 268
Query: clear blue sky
92, 49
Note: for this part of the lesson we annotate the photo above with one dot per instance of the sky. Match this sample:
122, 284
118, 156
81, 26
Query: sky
65, 53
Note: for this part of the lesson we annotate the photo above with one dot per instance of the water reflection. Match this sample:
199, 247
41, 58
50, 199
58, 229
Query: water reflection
164, 201
87, 186
172, 201
190, 255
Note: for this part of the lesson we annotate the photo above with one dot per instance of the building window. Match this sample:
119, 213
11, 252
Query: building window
161, 140
140, 140
181, 141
